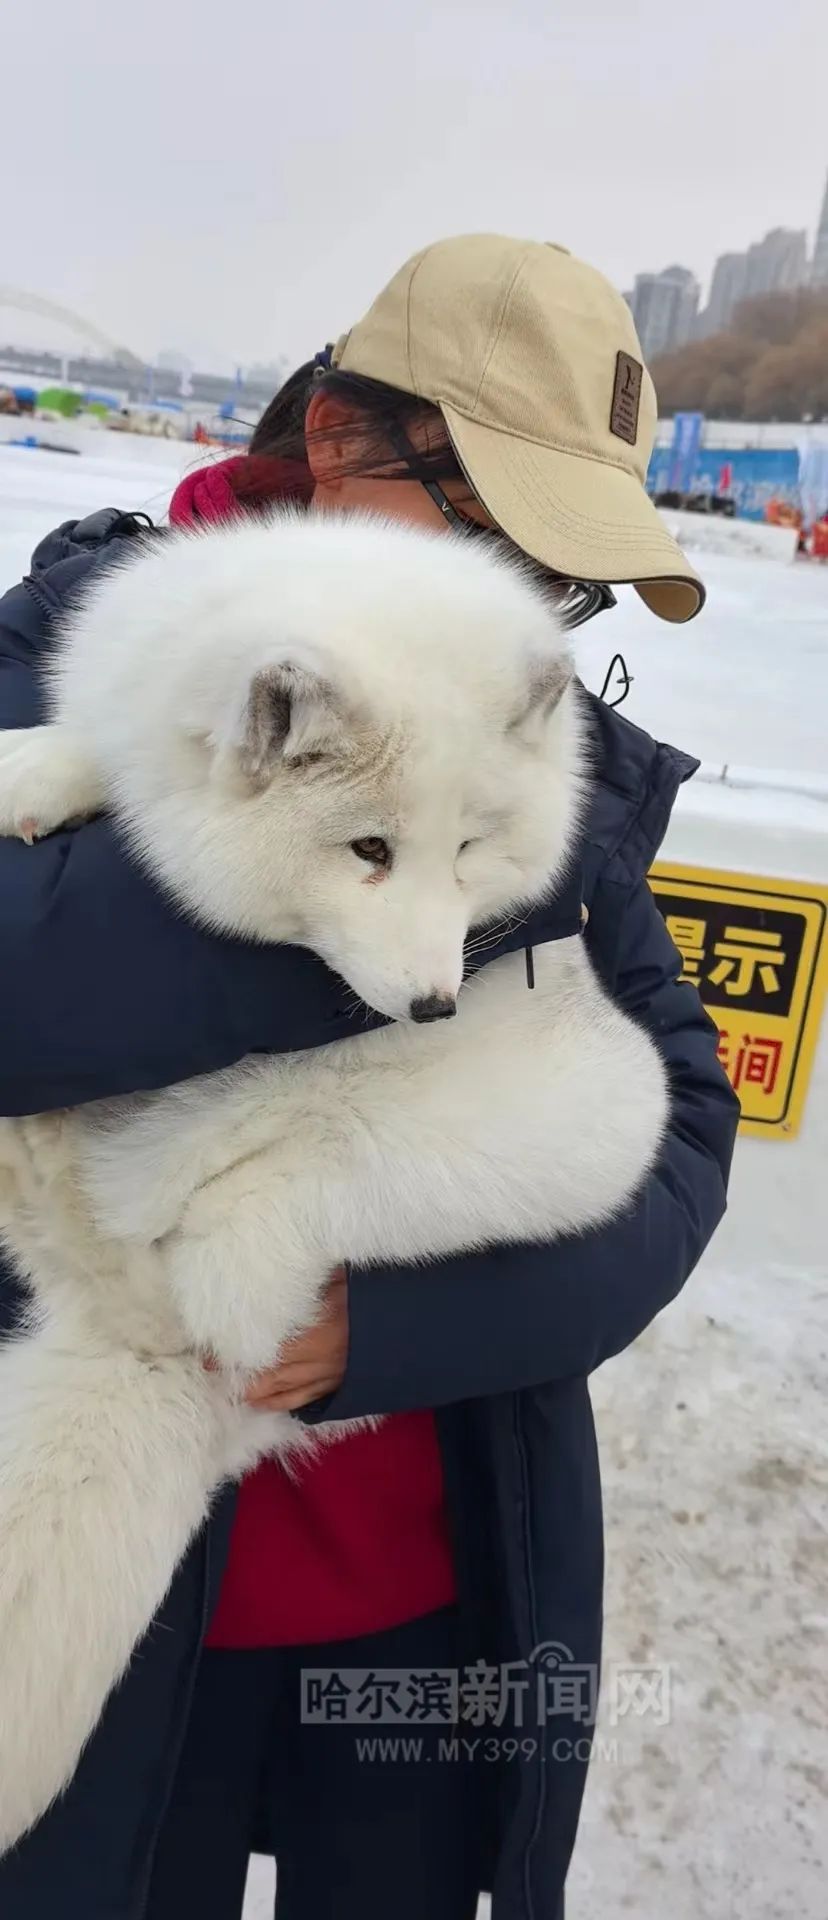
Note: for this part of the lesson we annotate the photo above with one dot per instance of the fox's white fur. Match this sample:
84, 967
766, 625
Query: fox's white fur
251, 703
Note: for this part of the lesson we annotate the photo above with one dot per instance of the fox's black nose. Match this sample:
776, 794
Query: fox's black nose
433, 1006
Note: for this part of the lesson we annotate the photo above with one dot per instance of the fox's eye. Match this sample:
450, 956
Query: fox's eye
463, 845
376, 852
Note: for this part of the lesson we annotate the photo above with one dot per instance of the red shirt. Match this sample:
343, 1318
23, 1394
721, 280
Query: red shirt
354, 1541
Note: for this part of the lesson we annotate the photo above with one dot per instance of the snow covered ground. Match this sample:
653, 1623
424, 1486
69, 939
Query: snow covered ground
38, 490
747, 682
712, 1427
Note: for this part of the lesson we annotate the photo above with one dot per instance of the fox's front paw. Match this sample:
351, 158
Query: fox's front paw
238, 1318
19, 792
44, 784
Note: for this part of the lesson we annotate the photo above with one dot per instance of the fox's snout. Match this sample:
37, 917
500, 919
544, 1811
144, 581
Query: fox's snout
433, 1006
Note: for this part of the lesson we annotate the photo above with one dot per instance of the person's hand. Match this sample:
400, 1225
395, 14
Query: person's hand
314, 1363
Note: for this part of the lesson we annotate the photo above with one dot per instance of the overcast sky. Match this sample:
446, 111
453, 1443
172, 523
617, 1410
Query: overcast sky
236, 180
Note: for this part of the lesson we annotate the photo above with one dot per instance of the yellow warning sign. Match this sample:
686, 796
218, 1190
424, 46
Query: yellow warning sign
757, 950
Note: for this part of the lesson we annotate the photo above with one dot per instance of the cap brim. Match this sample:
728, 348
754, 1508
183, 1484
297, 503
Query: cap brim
578, 516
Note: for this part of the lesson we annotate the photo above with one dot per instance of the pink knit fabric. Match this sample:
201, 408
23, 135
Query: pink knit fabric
206, 495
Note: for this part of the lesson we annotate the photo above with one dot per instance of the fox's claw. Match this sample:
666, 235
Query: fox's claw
45, 783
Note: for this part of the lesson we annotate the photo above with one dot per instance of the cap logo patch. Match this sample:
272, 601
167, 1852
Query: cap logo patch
626, 398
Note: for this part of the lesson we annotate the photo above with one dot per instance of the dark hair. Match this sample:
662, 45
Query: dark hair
380, 412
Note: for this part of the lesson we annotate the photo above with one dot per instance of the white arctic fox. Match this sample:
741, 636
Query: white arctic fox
365, 740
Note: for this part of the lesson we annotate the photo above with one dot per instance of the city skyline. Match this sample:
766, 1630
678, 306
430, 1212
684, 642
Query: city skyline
666, 304
238, 187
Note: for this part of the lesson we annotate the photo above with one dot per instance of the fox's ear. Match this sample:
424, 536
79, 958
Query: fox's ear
548, 677
291, 713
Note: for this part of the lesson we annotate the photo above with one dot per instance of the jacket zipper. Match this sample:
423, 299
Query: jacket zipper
181, 1734
523, 1467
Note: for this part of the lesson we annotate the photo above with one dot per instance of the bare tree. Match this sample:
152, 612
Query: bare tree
772, 363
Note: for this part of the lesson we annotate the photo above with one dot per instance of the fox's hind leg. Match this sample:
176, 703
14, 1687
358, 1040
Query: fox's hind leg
46, 780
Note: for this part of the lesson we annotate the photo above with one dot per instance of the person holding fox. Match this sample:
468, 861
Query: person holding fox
495, 388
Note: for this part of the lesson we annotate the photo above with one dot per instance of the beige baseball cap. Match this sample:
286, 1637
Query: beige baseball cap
535, 364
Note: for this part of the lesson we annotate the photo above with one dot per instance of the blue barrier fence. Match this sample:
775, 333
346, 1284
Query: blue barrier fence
757, 475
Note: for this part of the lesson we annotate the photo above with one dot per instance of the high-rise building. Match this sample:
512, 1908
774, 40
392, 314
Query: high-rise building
727, 288
664, 307
773, 265
778, 263
819, 265
686, 313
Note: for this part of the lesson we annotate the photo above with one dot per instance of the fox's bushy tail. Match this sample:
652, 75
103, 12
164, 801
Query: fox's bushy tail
106, 1468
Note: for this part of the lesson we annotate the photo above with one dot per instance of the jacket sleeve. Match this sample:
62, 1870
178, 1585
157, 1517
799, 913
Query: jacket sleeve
525, 1316
104, 987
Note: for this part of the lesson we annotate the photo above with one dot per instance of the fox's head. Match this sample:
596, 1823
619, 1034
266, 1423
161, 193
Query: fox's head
377, 748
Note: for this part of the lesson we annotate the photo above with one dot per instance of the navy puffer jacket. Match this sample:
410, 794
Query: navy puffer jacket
105, 989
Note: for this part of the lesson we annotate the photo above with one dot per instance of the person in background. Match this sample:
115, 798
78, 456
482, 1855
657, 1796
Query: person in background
819, 537
495, 386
